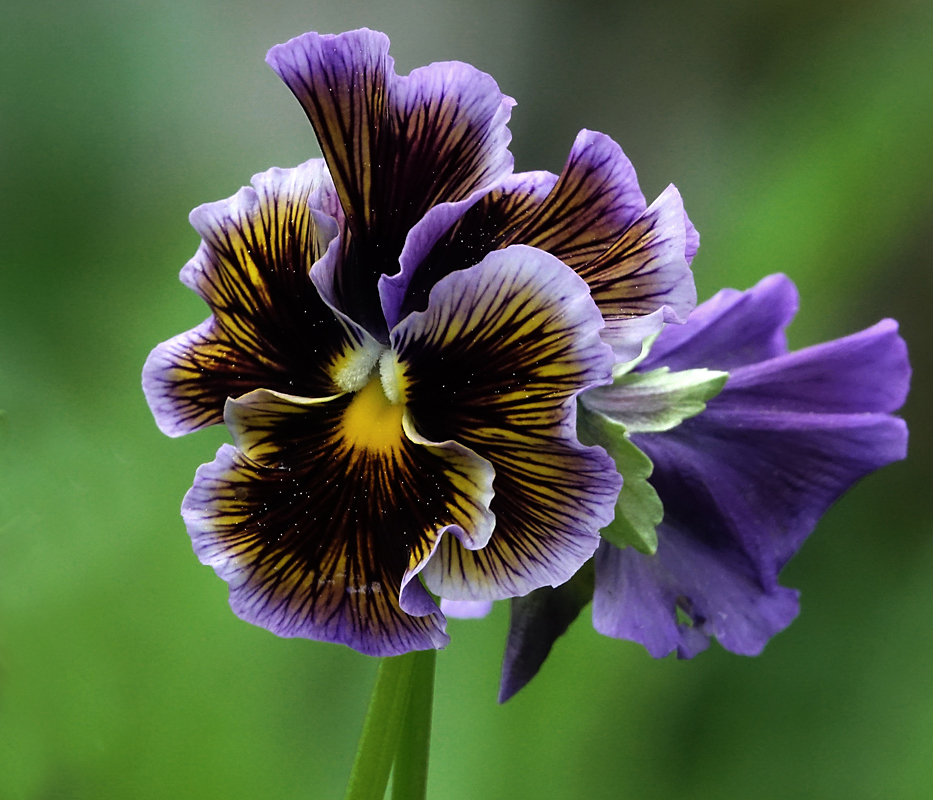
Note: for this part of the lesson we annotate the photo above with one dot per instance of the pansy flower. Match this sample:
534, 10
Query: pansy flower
399, 334
741, 476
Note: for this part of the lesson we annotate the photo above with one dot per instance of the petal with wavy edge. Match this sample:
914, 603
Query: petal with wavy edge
495, 362
455, 236
746, 481
326, 510
594, 218
730, 330
396, 146
684, 594
643, 272
270, 327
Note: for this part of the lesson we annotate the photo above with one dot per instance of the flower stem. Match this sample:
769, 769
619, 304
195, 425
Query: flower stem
382, 728
410, 772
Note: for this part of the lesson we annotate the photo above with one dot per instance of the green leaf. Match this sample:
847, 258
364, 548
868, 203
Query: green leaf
651, 402
639, 509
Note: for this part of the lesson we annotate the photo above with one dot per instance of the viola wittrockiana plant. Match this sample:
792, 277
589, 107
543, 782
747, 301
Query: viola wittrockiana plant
447, 380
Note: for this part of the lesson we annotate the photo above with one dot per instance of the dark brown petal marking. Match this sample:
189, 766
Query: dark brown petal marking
488, 225
594, 219
324, 511
495, 363
270, 328
395, 146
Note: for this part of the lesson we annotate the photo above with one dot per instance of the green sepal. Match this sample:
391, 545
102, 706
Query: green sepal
536, 621
626, 367
638, 509
651, 402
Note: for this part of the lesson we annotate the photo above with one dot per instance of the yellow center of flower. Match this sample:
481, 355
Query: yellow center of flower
372, 421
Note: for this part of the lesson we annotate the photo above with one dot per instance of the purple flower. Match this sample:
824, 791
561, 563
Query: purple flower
742, 483
398, 336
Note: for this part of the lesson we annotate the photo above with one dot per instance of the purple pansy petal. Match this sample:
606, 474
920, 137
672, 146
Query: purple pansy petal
454, 236
396, 146
745, 482
755, 485
865, 372
325, 511
276, 588
643, 273
466, 609
270, 328
495, 362
729, 330
596, 221
593, 217
637, 598
645, 268
692, 239
595, 199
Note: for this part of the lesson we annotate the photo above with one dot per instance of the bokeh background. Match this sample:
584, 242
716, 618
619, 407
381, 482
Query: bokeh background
800, 133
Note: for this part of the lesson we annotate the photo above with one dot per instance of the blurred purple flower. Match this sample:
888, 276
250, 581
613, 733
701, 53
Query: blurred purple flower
743, 483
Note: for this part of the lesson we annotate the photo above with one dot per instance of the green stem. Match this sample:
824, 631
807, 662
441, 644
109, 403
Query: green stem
410, 772
382, 728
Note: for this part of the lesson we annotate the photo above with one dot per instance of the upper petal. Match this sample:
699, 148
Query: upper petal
495, 362
454, 236
730, 329
324, 513
396, 146
594, 218
270, 327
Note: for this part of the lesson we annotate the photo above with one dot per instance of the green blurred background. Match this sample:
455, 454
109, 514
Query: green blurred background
801, 136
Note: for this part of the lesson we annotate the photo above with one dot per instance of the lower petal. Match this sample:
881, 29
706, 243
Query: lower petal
551, 499
685, 593
321, 518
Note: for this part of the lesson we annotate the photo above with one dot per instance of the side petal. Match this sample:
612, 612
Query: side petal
270, 327
496, 362
730, 330
325, 511
396, 146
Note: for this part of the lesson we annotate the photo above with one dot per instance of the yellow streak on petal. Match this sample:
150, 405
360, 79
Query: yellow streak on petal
372, 421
